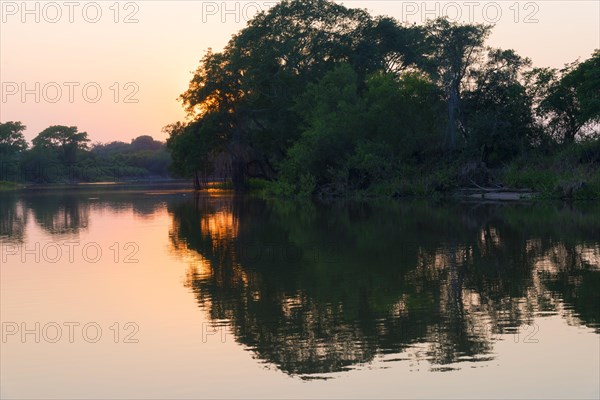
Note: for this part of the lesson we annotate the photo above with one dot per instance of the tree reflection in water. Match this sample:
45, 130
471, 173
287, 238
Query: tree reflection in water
65, 213
314, 289
13, 218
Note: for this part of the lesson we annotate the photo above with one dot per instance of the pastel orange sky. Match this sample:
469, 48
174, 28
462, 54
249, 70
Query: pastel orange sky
157, 51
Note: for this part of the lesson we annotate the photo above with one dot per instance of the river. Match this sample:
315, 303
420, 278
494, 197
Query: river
152, 292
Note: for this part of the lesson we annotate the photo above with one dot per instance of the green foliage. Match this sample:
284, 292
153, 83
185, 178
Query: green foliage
405, 113
61, 154
454, 50
571, 173
315, 97
568, 99
41, 165
193, 147
586, 79
498, 117
66, 141
146, 143
8, 186
584, 152
354, 138
529, 178
255, 83
591, 189
334, 117
12, 140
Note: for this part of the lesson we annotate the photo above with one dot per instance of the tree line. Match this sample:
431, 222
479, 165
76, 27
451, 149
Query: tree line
63, 154
313, 98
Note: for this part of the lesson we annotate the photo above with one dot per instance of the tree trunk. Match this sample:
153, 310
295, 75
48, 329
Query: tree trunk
452, 117
197, 185
237, 175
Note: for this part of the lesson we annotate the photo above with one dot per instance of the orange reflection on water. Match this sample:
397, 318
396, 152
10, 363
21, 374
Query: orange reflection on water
220, 225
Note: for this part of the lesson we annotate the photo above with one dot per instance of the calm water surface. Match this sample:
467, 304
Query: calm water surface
153, 293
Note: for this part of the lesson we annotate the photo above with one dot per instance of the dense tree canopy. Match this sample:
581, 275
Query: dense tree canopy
12, 140
66, 140
498, 121
321, 98
568, 100
454, 50
249, 90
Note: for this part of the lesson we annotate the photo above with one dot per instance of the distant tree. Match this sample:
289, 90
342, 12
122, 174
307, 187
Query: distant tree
110, 148
66, 140
12, 146
12, 140
146, 142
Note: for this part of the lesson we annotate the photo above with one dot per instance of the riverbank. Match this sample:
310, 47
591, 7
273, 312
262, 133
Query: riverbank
535, 181
167, 184
521, 180
567, 172
6, 186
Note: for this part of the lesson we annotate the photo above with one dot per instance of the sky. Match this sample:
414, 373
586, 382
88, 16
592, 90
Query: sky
116, 68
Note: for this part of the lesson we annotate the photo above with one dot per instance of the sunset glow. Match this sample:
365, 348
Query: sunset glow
161, 43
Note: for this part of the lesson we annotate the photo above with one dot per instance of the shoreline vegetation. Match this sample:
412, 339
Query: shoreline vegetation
259, 188
6, 186
316, 100
63, 155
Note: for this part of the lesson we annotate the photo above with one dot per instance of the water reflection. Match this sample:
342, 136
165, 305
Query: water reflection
13, 218
318, 289
59, 214
68, 213
315, 289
